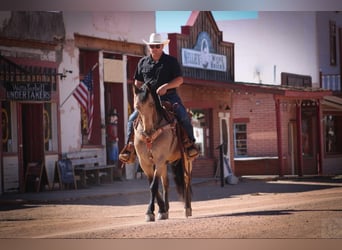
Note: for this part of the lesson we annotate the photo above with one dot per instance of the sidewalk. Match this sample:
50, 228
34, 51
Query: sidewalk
116, 188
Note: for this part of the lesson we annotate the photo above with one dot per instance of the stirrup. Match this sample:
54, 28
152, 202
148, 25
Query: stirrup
127, 155
192, 151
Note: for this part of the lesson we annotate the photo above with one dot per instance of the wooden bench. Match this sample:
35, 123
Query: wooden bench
89, 165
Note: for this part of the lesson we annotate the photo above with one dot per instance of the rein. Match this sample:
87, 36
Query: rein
149, 139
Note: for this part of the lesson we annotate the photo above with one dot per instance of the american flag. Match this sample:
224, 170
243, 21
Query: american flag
85, 96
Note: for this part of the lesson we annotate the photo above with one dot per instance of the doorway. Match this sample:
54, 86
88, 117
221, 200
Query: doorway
31, 141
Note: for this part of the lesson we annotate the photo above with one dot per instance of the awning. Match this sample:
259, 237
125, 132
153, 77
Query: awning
332, 103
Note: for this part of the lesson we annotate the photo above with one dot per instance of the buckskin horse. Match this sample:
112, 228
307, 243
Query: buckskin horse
157, 147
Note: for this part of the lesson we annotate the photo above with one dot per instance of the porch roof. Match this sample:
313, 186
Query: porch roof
280, 91
332, 103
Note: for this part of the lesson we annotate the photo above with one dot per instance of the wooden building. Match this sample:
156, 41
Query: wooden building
262, 125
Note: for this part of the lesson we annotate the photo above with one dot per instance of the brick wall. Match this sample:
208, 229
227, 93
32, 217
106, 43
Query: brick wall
259, 109
257, 167
216, 100
259, 112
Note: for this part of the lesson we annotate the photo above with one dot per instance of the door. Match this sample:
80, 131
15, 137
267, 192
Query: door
114, 104
224, 140
31, 136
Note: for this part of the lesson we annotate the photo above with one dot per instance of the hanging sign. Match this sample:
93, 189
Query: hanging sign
29, 91
202, 56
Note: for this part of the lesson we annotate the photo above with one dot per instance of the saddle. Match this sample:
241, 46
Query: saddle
170, 116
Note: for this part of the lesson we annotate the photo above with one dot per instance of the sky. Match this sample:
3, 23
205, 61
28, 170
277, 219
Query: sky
171, 21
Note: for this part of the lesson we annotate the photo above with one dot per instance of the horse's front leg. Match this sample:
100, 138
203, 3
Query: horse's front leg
153, 192
163, 201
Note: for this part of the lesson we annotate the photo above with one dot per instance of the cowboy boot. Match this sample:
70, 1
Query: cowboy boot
127, 154
191, 148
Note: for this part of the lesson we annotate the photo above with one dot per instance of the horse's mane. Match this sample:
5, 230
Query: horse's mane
143, 94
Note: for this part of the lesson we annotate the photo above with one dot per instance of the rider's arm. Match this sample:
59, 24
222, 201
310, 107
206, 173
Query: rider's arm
175, 83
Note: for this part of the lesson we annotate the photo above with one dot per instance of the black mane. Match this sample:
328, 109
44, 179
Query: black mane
143, 94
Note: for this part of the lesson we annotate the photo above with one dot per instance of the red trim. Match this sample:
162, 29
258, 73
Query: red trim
193, 17
173, 50
241, 120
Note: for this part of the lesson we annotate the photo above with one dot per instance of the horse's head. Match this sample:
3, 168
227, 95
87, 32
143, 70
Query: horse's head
145, 103
143, 100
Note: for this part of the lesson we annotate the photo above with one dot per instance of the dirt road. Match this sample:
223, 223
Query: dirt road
250, 209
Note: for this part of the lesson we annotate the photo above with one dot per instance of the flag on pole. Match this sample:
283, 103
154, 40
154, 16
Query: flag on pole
85, 96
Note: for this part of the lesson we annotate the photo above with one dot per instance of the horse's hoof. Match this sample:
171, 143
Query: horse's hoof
188, 212
163, 216
150, 217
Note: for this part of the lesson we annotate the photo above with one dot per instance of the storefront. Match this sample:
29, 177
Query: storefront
266, 129
29, 125
208, 66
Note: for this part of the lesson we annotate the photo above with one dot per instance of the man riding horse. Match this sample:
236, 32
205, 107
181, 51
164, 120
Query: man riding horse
163, 74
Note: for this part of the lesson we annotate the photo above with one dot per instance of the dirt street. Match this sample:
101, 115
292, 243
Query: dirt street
251, 209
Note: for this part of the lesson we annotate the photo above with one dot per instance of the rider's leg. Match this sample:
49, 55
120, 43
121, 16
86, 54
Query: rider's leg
125, 154
185, 121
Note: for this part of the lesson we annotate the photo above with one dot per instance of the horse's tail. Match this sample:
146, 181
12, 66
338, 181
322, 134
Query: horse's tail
178, 175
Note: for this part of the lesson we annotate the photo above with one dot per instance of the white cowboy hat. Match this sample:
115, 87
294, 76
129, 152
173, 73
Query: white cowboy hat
156, 38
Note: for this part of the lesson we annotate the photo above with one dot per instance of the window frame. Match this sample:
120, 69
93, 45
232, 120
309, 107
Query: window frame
236, 140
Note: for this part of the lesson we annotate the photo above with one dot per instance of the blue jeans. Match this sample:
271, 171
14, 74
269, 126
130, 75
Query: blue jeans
130, 124
181, 114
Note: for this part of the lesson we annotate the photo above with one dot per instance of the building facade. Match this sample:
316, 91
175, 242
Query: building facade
44, 56
268, 114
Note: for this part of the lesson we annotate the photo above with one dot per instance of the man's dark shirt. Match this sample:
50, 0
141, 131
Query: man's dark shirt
157, 73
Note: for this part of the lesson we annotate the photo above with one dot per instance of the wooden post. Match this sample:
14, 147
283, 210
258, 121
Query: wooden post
279, 138
320, 133
299, 138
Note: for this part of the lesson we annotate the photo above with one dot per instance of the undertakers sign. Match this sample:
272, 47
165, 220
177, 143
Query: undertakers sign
29, 91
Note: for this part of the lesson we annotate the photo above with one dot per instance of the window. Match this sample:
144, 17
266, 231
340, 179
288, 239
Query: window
332, 37
200, 122
307, 134
240, 139
333, 135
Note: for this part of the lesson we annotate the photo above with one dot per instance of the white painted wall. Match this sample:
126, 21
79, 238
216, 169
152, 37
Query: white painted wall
121, 26
283, 40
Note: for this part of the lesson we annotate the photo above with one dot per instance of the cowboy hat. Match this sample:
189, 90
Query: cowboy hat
156, 38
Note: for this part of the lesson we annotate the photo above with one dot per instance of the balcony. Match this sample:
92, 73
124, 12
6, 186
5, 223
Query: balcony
331, 82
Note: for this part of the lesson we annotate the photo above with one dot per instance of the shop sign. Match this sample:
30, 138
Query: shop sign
28, 91
202, 56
